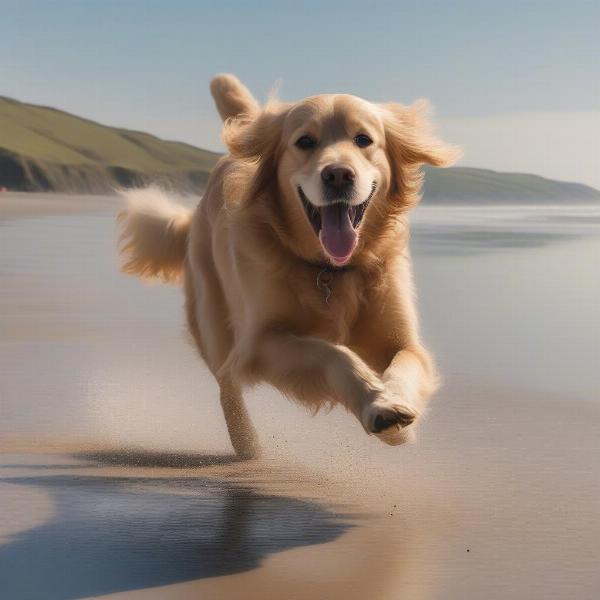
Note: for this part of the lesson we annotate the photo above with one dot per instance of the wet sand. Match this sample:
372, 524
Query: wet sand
116, 478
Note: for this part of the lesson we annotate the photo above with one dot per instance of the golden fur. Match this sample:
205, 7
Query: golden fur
248, 256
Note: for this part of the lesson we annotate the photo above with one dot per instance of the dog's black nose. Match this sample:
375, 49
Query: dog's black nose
338, 176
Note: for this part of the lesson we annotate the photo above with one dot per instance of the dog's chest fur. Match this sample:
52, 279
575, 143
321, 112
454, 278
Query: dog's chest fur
328, 304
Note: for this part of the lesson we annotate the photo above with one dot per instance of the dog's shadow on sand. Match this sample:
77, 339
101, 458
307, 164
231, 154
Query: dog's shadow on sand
113, 534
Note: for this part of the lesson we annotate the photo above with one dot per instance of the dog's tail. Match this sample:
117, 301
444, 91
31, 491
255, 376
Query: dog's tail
154, 233
232, 97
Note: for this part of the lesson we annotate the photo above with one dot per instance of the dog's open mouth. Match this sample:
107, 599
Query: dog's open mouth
335, 224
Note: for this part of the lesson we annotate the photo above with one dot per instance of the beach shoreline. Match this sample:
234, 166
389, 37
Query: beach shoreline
126, 490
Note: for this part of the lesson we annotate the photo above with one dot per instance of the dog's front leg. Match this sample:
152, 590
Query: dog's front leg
409, 382
314, 371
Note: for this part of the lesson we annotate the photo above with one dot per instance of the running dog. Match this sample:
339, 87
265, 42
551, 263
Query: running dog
295, 263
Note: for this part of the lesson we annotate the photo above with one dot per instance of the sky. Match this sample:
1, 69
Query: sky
517, 84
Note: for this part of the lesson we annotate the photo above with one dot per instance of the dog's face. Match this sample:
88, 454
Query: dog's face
340, 163
332, 163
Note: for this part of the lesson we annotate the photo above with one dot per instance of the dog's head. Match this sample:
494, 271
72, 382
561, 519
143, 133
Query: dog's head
339, 168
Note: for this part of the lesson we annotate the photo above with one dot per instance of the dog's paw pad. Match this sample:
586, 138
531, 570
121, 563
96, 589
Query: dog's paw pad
390, 419
395, 418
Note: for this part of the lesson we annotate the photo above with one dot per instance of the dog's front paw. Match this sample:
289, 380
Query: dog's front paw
389, 419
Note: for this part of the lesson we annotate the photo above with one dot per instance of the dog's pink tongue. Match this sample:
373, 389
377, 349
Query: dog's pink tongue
337, 235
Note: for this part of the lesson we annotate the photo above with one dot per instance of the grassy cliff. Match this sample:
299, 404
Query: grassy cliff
44, 148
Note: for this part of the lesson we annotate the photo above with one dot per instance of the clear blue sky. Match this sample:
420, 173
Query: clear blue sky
492, 69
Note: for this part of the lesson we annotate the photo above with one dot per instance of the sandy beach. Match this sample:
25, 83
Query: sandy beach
117, 480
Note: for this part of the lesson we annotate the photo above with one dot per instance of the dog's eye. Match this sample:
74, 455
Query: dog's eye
306, 142
362, 140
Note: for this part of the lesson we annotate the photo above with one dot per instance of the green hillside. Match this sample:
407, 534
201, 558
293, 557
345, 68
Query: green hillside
467, 185
44, 148
48, 149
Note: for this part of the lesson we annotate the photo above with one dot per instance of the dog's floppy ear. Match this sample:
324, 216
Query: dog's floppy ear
257, 137
410, 143
409, 136
232, 97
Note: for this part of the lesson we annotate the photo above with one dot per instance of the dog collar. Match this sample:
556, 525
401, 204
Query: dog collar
326, 272
329, 268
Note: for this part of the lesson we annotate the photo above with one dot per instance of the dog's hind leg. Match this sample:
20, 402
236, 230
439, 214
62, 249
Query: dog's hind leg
205, 305
241, 430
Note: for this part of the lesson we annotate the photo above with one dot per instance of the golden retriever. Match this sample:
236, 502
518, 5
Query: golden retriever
295, 262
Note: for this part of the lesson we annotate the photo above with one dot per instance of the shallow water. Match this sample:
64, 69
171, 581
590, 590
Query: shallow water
117, 533
511, 295
497, 499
